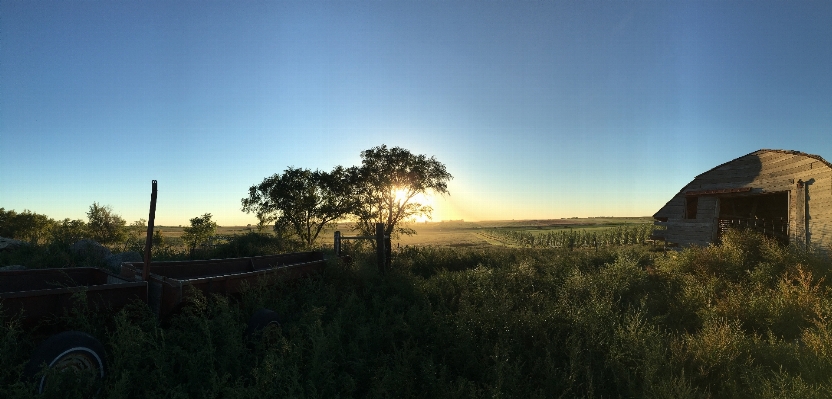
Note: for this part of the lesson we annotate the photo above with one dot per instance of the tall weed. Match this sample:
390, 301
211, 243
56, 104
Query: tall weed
746, 319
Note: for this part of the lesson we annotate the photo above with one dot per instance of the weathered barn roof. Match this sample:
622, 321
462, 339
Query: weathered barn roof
666, 210
817, 157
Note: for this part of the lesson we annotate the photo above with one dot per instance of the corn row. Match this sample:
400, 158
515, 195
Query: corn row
579, 238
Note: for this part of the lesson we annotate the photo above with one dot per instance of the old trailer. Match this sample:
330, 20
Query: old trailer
43, 296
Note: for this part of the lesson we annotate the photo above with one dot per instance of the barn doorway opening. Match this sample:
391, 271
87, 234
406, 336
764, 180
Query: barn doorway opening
765, 213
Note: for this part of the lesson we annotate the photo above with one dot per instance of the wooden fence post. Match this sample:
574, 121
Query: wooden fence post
337, 243
388, 251
380, 250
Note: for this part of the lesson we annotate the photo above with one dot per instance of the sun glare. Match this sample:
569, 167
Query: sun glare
401, 195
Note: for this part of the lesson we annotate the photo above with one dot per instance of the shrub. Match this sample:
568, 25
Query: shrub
743, 320
251, 244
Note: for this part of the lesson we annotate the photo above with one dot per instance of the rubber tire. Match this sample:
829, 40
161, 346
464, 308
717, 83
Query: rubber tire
71, 348
261, 319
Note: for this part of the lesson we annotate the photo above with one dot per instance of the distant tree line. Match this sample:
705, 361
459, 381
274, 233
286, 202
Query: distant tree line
103, 225
384, 189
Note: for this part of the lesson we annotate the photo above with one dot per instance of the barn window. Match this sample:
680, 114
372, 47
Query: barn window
691, 203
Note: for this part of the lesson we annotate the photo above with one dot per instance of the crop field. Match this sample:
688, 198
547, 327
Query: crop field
457, 233
486, 234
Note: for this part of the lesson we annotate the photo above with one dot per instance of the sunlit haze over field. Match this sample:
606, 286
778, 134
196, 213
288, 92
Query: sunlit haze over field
538, 109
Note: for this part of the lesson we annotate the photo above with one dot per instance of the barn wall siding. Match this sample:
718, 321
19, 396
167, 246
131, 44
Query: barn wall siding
689, 232
820, 211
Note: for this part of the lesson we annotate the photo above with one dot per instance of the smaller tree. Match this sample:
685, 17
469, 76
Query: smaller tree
138, 228
201, 230
301, 201
136, 236
104, 225
69, 231
27, 225
158, 239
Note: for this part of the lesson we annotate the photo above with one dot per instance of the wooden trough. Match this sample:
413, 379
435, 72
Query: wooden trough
40, 294
43, 296
167, 281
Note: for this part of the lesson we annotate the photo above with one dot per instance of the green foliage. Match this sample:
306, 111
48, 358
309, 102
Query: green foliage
252, 244
158, 239
745, 319
26, 226
201, 230
69, 231
387, 185
104, 225
301, 201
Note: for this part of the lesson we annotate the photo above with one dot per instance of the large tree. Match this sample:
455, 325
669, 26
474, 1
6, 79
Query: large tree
301, 201
390, 186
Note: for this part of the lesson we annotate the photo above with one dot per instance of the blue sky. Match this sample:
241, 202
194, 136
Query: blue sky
538, 109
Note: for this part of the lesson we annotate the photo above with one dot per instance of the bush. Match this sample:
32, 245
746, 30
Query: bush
746, 319
27, 226
251, 244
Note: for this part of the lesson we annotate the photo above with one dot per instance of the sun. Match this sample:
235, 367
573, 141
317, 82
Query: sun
401, 195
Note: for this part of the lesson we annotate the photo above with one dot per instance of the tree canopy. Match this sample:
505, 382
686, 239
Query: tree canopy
387, 188
301, 201
387, 185
104, 225
27, 225
200, 231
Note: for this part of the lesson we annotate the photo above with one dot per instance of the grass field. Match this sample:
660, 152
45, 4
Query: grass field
749, 318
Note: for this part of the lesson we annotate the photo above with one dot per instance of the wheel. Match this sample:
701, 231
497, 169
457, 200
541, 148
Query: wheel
69, 350
259, 320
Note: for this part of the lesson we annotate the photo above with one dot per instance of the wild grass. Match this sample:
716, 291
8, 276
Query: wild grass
749, 318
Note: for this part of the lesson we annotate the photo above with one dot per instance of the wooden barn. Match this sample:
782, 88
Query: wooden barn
783, 194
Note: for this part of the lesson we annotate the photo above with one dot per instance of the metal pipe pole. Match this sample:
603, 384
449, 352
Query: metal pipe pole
149, 242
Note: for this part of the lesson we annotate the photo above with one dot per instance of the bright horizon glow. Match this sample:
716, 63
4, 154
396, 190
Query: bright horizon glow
540, 110
401, 195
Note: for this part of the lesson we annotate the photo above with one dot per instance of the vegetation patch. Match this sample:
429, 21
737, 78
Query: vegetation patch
749, 318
